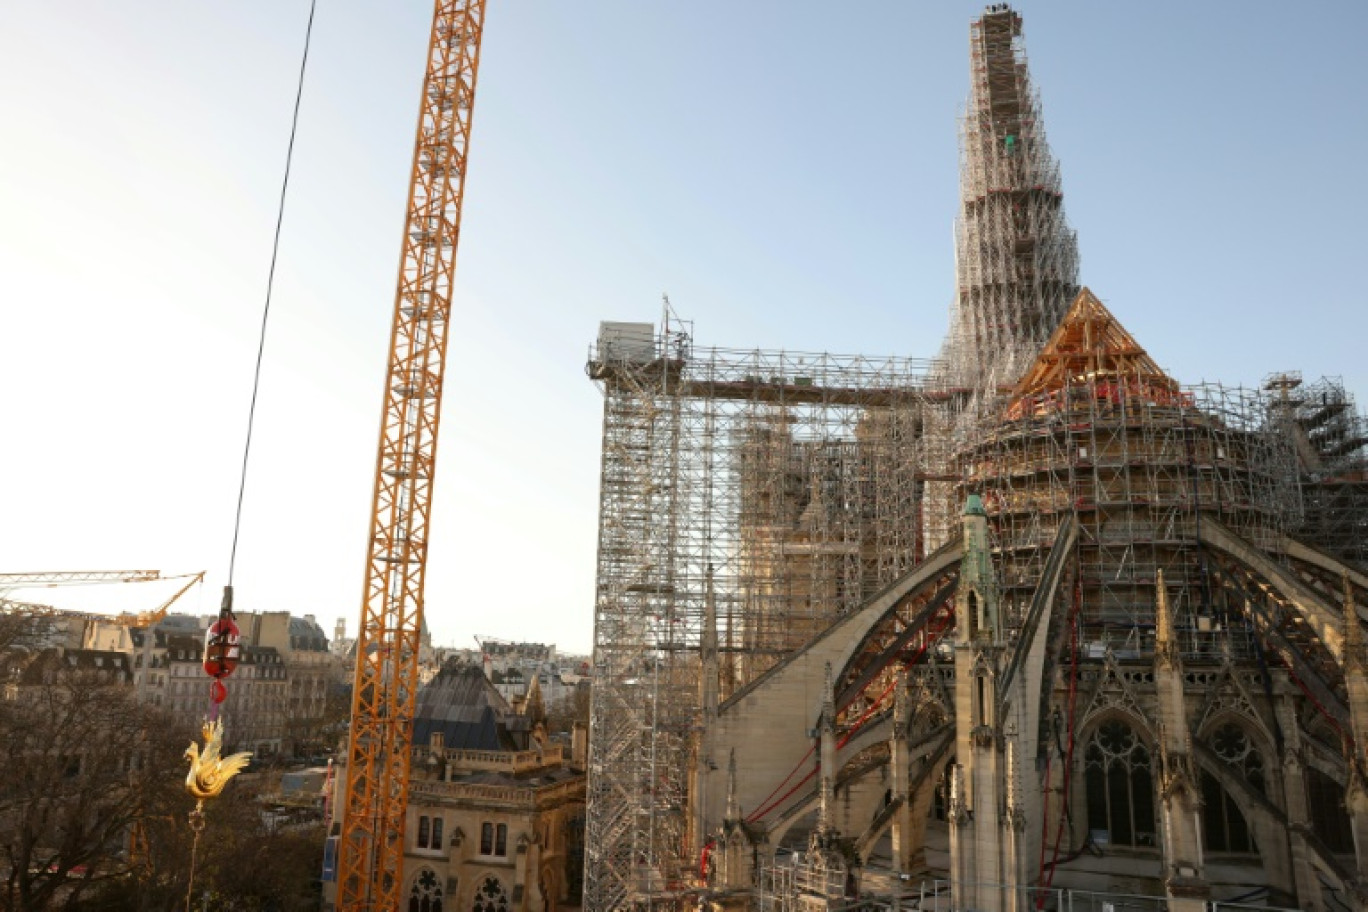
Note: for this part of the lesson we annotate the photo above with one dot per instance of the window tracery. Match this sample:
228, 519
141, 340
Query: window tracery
1119, 783
1232, 744
1224, 828
490, 897
426, 893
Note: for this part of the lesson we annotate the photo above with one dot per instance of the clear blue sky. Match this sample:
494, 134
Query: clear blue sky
785, 171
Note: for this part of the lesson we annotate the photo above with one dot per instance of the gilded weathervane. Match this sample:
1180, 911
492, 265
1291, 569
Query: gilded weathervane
210, 772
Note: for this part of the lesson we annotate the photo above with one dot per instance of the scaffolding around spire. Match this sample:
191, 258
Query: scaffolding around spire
1016, 258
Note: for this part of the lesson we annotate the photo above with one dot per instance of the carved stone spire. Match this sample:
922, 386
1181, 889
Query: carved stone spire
1013, 815
733, 808
1166, 653
1354, 657
1174, 738
1180, 798
977, 599
709, 650
828, 699
902, 704
828, 753
1163, 620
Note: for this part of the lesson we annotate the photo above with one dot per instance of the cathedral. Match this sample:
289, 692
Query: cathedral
1040, 626
1122, 676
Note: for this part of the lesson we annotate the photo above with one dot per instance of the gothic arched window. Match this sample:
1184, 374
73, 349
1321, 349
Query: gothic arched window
426, 895
940, 801
490, 897
1233, 746
1224, 828
1120, 786
1329, 819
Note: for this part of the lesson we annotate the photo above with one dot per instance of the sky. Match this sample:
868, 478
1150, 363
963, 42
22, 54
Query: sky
785, 171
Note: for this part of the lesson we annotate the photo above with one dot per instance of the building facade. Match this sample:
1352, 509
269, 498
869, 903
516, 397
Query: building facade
495, 811
277, 695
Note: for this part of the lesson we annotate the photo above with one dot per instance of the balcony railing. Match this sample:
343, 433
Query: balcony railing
496, 761
526, 797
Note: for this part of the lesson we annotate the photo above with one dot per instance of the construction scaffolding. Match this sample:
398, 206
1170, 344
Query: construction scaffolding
752, 498
1097, 432
1330, 437
1016, 259
1137, 470
749, 499
772, 491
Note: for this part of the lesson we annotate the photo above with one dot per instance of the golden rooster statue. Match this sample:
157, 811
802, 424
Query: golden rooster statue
210, 772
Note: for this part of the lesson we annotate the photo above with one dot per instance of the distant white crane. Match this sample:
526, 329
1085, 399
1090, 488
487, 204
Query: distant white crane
60, 578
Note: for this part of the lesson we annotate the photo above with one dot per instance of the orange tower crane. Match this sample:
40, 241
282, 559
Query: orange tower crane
371, 848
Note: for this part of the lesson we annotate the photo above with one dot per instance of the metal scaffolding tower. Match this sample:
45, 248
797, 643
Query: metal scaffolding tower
1016, 258
1330, 437
772, 491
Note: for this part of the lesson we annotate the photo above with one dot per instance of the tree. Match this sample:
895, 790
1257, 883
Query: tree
94, 812
84, 764
247, 861
569, 709
337, 703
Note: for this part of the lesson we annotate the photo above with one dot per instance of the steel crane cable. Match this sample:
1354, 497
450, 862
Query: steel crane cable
266, 308
221, 646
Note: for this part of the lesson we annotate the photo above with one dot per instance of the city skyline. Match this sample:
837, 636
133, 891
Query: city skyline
789, 180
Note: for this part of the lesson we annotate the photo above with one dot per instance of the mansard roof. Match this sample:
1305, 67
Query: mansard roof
1090, 344
467, 710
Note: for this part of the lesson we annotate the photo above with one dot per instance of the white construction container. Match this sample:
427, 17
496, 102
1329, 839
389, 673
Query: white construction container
634, 342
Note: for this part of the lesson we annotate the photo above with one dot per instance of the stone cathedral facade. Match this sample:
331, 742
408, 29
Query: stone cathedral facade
1158, 692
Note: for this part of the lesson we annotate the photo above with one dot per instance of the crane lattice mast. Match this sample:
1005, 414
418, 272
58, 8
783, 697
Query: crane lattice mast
375, 799
75, 578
